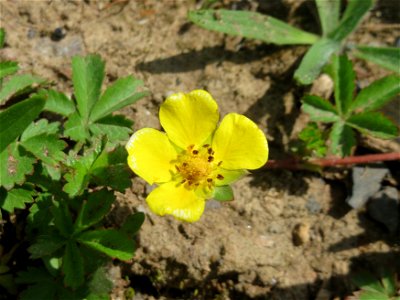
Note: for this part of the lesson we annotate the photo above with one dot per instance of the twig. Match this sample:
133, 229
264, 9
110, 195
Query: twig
296, 164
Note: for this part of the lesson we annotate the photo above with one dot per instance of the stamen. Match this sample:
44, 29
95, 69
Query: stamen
220, 163
183, 181
177, 168
220, 177
210, 158
185, 164
195, 152
210, 150
209, 180
206, 145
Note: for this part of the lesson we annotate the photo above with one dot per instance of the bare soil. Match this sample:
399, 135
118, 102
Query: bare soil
287, 235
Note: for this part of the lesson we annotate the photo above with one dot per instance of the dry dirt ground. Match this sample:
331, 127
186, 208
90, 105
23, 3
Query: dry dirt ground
287, 235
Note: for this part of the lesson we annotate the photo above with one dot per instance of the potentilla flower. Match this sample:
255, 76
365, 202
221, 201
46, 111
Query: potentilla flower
194, 158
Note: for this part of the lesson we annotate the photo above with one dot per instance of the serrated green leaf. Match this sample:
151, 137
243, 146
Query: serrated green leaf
75, 128
386, 57
344, 79
251, 25
62, 218
120, 94
15, 198
223, 193
15, 165
315, 59
58, 102
329, 12
100, 284
2, 37
8, 68
16, 118
313, 139
374, 123
18, 83
46, 245
389, 283
73, 266
355, 11
367, 282
376, 94
319, 109
40, 127
93, 211
342, 139
77, 179
117, 128
47, 148
87, 77
112, 242
133, 223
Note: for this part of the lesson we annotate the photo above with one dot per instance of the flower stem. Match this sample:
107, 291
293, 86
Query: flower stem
297, 164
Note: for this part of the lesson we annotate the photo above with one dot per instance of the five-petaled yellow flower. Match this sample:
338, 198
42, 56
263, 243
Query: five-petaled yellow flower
194, 157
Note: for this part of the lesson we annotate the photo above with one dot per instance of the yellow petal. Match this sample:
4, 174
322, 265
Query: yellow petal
150, 154
174, 199
189, 119
239, 143
229, 176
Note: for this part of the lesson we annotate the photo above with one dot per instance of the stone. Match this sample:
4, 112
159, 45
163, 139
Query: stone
301, 234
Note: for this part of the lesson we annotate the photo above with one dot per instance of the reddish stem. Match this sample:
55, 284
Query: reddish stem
295, 163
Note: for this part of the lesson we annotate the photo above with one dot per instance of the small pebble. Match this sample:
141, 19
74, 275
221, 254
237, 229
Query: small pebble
313, 206
301, 234
58, 34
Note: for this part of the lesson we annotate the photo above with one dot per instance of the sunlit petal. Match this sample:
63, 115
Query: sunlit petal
239, 143
174, 199
150, 154
189, 119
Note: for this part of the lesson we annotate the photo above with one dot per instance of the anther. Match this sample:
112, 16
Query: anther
206, 145
210, 150
195, 152
220, 177
177, 168
183, 181
210, 158
220, 163
184, 164
190, 147
209, 180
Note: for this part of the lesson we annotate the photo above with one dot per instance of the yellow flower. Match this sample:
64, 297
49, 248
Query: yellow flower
194, 158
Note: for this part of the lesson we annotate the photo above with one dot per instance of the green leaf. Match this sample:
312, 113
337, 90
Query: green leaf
15, 198
377, 94
315, 59
389, 283
93, 211
342, 139
87, 77
367, 282
18, 83
251, 25
117, 128
15, 165
62, 218
355, 11
313, 139
112, 242
47, 148
223, 193
73, 266
100, 283
329, 12
46, 245
120, 94
16, 118
319, 109
133, 223
75, 128
370, 295
344, 79
2, 37
58, 102
374, 123
8, 68
386, 57
40, 127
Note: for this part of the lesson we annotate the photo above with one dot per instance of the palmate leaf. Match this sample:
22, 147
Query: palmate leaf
117, 128
375, 124
72, 266
76, 128
314, 60
47, 148
46, 245
386, 57
16, 118
16, 84
120, 94
15, 198
329, 12
40, 127
112, 242
8, 68
87, 77
15, 165
57, 102
342, 139
376, 94
251, 25
355, 11
344, 79
319, 109
97, 206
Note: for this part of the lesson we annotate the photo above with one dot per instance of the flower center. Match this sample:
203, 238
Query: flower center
197, 167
